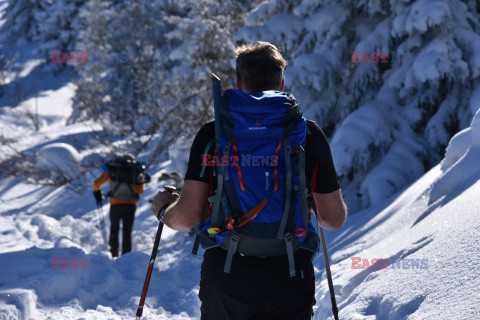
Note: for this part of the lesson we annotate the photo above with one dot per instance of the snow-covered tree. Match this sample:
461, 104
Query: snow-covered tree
58, 27
20, 23
6, 62
203, 43
53, 25
123, 40
388, 122
163, 90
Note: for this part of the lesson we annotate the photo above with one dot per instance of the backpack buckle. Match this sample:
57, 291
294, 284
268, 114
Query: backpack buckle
232, 248
235, 237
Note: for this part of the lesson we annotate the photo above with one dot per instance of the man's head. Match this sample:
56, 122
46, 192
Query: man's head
260, 67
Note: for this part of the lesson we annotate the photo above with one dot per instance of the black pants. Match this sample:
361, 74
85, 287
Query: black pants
256, 288
126, 213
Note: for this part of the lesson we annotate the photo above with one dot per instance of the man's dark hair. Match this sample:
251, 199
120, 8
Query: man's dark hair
126, 157
260, 66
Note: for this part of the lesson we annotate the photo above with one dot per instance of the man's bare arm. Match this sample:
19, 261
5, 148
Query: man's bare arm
186, 210
331, 210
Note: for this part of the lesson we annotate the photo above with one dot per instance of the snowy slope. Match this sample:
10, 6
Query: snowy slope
436, 221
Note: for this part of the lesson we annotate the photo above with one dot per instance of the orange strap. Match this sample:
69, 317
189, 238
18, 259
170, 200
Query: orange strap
301, 230
230, 224
276, 164
240, 178
252, 213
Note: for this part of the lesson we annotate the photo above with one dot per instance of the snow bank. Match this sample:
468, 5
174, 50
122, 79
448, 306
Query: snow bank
68, 283
460, 165
434, 222
60, 159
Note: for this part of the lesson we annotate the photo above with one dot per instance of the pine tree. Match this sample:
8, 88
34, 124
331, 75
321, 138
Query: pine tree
20, 24
58, 26
388, 122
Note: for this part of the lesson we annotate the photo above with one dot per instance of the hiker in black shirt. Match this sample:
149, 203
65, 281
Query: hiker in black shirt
256, 287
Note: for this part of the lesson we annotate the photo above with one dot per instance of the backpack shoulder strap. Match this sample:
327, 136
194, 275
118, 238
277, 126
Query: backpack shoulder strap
222, 172
224, 122
209, 146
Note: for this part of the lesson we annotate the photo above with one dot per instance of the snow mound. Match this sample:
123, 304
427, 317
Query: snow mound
460, 165
60, 160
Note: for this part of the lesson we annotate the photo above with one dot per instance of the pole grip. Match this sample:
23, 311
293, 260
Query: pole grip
170, 189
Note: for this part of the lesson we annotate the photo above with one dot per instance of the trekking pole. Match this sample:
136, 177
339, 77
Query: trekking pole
329, 274
102, 222
153, 256
326, 261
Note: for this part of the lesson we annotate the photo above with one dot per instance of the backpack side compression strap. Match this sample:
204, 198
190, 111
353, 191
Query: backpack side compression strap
303, 186
288, 190
288, 121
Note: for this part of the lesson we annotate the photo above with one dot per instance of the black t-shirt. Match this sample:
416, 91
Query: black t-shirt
319, 169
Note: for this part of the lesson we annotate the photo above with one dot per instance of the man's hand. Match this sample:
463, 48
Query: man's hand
187, 211
162, 199
98, 196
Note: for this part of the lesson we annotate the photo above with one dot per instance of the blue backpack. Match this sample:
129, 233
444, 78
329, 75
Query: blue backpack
260, 206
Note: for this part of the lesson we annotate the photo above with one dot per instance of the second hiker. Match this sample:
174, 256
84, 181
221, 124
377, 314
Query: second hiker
126, 179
